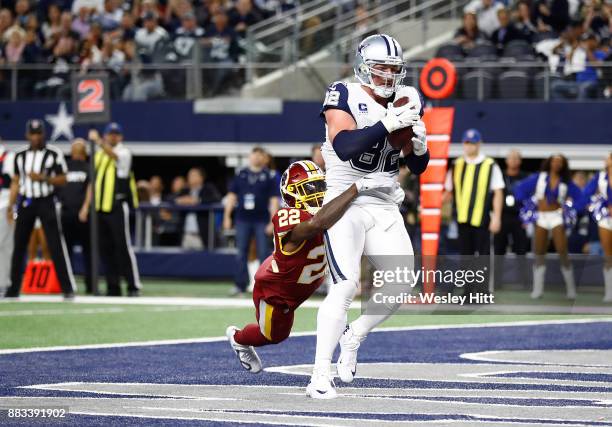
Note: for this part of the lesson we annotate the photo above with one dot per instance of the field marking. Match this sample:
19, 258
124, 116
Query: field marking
248, 303
517, 323
113, 310
489, 356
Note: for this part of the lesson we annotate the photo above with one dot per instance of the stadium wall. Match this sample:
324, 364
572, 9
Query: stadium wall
289, 128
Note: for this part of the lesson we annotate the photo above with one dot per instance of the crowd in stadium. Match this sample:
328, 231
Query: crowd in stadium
570, 37
123, 37
118, 36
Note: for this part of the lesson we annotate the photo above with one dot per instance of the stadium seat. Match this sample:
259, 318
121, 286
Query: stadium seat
513, 85
539, 83
471, 81
544, 36
483, 50
450, 51
517, 49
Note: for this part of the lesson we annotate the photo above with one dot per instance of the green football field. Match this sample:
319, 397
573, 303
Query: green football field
26, 324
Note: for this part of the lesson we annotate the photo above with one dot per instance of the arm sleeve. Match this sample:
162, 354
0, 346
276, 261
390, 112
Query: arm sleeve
349, 143
336, 98
497, 179
417, 164
233, 187
525, 188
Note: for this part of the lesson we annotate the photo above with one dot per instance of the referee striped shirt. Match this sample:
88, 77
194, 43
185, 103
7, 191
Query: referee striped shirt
48, 161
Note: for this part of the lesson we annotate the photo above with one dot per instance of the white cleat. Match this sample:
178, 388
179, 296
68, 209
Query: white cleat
347, 362
246, 354
321, 386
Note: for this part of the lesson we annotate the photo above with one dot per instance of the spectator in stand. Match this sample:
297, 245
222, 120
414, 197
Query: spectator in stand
522, 21
468, 35
222, 49
6, 21
22, 9
156, 190
13, 51
111, 16
195, 227
81, 24
551, 15
94, 6
52, 25
174, 13
580, 79
486, 14
506, 32
150, 34
243, 15
598, 18
179, 184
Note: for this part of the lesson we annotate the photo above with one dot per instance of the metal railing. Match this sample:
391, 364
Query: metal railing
330, 25
149, 225
476, 80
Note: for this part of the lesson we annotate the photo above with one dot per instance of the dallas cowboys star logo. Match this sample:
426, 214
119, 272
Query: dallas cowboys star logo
62, 123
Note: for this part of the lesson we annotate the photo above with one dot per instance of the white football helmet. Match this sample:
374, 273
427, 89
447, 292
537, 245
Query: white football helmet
379, 49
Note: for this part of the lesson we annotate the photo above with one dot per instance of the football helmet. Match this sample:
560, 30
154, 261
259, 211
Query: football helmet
303, 186
380, 49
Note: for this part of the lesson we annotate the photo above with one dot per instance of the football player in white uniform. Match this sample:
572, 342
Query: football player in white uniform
359, 117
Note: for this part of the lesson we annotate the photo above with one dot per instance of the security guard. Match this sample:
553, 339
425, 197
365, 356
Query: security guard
114, 196
477, 184
511, 227
254, 195
37, 170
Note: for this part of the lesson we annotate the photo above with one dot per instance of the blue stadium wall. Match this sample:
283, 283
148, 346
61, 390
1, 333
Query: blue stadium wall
299, 122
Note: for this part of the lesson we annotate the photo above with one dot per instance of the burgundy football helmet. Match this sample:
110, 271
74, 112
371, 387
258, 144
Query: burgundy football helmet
303, 186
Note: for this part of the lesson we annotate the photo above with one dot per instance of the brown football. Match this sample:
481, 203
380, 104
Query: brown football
401, 139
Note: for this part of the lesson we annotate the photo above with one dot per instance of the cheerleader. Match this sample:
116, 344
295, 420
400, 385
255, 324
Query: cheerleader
552, 193
598, 194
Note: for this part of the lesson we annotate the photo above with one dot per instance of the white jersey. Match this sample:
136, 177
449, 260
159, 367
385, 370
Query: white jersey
339, 174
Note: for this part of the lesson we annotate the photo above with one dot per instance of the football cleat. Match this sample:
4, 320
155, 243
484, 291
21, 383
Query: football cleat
347, 362
246, 354
321, 386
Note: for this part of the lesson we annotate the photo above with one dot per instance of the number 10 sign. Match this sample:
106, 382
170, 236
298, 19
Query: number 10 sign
90, 98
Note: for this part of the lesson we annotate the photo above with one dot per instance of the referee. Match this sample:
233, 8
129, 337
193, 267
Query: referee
37, 170
115, 195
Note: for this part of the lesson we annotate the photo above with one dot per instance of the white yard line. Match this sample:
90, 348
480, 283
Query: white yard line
248, 302
55, 312
310, 333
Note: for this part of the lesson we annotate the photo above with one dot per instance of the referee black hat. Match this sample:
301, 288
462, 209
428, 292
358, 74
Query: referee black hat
35, 126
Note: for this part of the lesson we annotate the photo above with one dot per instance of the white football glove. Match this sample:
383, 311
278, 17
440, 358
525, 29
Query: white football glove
376, 181
419, 140
400, 117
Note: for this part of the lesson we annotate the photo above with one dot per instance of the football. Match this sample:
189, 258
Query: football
401, 139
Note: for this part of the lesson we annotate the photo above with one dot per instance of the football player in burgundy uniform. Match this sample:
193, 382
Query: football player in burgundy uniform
297, 266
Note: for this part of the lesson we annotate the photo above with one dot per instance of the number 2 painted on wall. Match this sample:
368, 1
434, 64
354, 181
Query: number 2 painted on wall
92, 92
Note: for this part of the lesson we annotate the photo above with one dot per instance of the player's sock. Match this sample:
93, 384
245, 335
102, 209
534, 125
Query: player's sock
570, 284
251, 335
331, 321
366, 322
608, 284
539, 271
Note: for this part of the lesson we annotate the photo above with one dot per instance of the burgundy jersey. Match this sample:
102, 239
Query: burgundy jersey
290, 278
